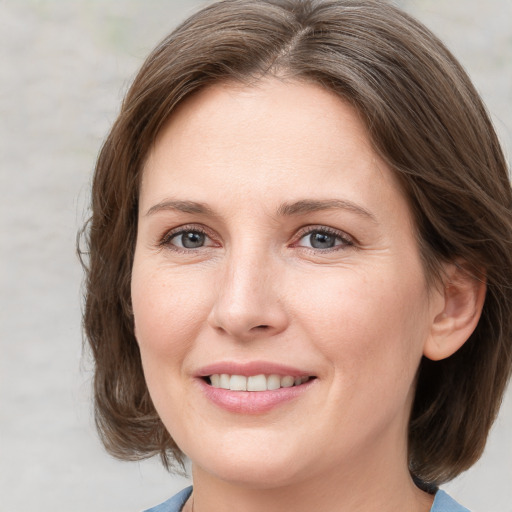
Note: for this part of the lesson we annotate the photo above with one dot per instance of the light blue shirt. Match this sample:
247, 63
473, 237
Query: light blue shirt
442, 503
175, 504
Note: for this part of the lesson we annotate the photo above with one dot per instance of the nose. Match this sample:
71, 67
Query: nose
249, 299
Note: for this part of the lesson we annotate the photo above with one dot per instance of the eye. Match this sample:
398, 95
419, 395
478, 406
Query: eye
187, 239
324, 239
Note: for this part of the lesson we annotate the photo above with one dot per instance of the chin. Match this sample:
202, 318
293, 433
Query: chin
251, 465
258, 475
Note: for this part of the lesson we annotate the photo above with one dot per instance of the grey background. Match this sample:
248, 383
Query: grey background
64, 68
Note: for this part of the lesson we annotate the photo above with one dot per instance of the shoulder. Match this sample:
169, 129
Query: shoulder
444, 503
173, 504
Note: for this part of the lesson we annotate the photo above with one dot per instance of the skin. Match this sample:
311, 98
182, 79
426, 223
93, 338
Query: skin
358, 316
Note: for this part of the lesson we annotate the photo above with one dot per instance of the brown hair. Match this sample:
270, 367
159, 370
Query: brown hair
424, 118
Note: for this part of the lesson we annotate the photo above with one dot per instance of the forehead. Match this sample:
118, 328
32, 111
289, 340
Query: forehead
274, 139
292, 110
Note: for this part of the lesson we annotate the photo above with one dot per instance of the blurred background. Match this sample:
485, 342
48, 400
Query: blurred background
65, 65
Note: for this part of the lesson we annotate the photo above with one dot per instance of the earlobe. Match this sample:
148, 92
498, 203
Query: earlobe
462, 300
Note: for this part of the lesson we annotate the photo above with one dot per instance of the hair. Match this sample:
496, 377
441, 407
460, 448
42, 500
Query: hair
426, 121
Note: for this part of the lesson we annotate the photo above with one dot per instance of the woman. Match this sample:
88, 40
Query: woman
300, 273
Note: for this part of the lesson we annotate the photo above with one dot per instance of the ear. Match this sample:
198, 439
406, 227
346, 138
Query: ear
462, 296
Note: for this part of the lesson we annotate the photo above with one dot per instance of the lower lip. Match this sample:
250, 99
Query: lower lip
252, 402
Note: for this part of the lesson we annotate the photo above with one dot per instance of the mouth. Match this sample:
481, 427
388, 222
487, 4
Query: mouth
256, 383
253, 387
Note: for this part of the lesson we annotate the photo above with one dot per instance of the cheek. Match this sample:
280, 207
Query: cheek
168, 312
373, 321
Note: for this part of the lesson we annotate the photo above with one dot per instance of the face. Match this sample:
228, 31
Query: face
280, 303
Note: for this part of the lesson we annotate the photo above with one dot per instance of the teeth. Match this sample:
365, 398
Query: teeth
224, 381
273, 382
287, 382
238, 383
255, 382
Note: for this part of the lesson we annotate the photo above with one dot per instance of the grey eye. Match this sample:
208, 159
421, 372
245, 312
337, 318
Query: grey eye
189, 239
322, 240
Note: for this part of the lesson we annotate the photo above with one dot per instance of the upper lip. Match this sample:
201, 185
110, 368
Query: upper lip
251, 368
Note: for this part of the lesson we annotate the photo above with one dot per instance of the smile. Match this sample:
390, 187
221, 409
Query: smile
255, 382
255, 387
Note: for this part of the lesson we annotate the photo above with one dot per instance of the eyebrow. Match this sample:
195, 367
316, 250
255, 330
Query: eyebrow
308, 206
301, 207
182, 206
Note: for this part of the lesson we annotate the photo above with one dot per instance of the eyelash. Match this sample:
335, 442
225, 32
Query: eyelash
169, 236
346, 240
